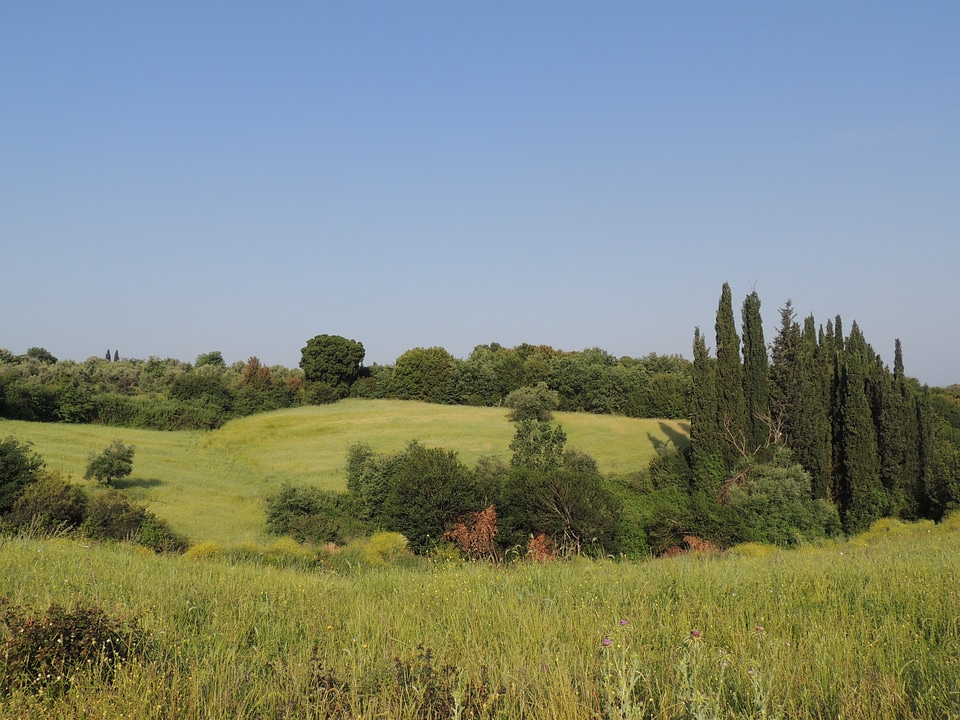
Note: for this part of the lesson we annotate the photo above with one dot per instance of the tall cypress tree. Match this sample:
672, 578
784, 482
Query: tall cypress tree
893, 438
863, 497
912, 429
817, 452
756, 372
704, 433
731, 402
797, 398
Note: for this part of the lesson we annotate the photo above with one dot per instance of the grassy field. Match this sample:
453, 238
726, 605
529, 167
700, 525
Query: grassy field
865, 629
211, 486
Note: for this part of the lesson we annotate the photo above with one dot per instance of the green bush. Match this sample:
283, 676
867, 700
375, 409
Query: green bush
49, 504
156, 534
19, 467
111, 516
308, 514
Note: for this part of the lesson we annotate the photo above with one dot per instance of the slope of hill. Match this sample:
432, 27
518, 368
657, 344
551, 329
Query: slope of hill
212, 485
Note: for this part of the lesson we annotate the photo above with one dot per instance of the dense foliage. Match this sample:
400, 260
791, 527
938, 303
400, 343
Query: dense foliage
825, 431
174, 395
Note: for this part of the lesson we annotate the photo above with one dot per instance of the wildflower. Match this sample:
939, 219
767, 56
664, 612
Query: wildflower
606, 642
624, 622
759, 629
695, 634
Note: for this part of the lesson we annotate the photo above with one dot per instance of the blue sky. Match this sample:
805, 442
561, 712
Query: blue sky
183, 177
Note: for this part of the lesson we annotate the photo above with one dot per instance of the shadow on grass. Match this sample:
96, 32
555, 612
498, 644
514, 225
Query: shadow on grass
678, 439
136, 483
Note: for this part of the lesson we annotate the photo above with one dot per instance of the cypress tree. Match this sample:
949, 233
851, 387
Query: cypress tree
863, 497
756, 371
704, 433
912, 428
797, 398
731, 402
116, 355
817, 452
927, 481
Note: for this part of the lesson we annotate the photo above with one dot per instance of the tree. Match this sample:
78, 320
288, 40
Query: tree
427, 491
332, 360
704, 428
19, 467
423, 374
756, 371
731, 402
568, 502
863, 497
797, 398
116, 356
213, 358
535, 402
114, 463
537, 446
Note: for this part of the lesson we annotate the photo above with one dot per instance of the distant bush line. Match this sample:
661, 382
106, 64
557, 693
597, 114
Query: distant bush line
173, 395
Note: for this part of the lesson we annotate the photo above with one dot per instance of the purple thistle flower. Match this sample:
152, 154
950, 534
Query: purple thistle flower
606, 642
624, 622
695, 634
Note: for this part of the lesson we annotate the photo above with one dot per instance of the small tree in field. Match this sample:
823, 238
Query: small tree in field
114, 463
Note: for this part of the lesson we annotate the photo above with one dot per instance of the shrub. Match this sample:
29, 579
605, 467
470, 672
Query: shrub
156, 534
385, 548
475, 534
207, 550
287, 552
111, 516
48, 504
19, 467
309, 514
44, 653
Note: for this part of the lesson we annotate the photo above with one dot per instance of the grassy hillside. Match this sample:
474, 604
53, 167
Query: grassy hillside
211, 485
861, 630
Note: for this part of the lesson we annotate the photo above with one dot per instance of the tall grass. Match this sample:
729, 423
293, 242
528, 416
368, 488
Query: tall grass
210, 486
864, 629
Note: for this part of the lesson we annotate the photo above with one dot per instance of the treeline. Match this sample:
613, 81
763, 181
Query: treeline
172, 395
869, 438
808, 437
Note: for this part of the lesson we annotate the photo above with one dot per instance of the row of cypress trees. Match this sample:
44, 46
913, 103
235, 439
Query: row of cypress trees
863, 431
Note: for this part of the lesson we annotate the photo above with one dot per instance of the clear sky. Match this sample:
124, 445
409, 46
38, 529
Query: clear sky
182, 177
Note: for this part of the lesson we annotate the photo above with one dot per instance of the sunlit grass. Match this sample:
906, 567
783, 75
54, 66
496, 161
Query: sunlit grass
862, 629
211, 486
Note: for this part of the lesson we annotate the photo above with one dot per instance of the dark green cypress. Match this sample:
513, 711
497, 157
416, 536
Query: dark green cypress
931, 495
731, 403
817, 451
797, 398
756, 373
704, 433
863, 497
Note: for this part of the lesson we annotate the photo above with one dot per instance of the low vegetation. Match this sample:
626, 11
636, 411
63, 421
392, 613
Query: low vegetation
859, 629
212, 486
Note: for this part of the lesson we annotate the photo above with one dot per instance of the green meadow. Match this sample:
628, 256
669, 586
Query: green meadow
211, 486
868, 628
250, 627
